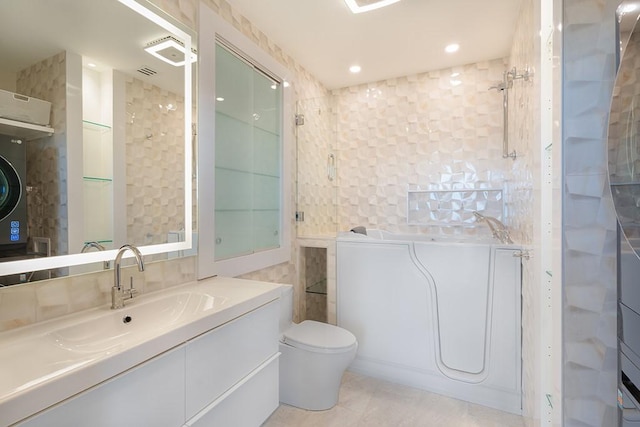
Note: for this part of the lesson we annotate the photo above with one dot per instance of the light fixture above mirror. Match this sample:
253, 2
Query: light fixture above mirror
360, 6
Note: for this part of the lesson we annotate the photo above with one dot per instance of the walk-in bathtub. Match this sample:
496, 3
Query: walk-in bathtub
440, 314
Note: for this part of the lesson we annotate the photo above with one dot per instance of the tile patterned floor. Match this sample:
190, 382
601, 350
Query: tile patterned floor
370, 402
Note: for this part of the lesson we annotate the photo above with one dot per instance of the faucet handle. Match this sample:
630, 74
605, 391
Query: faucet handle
131, 291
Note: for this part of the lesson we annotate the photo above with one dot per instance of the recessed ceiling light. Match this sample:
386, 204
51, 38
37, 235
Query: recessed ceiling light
359, 6
355, 69
219, 99
92, 65
453, 47
285, 83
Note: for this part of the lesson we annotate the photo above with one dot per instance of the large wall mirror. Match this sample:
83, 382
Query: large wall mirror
96, 135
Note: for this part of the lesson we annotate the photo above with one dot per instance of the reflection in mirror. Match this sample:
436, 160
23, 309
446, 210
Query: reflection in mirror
624, 127
95, 135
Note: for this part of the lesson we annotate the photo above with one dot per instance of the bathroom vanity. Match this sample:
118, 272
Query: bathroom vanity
200, 354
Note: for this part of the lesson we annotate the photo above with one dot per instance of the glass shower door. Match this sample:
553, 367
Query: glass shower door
317, 168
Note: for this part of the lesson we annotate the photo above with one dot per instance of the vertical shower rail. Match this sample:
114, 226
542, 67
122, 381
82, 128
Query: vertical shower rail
507, 83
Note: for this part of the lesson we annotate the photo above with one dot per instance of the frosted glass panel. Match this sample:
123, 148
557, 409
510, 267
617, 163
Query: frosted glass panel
266, 96
267, 153
234, 146
248, 158
234, 233
266, 192
234, 83
234, 190
266, 225
98, 224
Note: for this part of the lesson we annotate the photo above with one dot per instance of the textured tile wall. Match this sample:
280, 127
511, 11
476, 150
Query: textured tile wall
46, 157
439, 130
589, 306
155, 162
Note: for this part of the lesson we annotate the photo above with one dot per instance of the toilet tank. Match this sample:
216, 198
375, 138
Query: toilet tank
286, 307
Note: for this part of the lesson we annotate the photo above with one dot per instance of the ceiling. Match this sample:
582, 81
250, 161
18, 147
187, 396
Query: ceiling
401, 39
323, 36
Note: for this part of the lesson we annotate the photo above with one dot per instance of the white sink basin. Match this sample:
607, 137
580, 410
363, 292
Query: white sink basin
133, 322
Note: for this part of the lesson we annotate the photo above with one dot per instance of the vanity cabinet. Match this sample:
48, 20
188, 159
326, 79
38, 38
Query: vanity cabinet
215, 362
151, 394
226, 376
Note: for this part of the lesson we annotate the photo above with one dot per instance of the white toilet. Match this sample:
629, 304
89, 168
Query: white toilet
314, 356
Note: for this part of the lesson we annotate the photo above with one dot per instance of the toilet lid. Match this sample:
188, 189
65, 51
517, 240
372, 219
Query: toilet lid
316, 335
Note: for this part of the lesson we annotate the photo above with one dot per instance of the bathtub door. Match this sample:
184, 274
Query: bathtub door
384, 300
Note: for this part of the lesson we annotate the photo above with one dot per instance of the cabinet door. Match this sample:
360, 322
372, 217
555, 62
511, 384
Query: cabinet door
221, 358
247, 404
150, 395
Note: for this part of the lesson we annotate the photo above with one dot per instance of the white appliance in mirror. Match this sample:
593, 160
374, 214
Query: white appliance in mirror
113, 164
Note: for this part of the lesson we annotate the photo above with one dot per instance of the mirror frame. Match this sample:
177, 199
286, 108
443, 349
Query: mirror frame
60, 261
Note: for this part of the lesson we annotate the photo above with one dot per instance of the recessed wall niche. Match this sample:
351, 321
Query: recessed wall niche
315, 283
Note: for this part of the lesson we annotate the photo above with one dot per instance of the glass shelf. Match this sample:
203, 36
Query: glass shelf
319, 287
98, 127
95, 178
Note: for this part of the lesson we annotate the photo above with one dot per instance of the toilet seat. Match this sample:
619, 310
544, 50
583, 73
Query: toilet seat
319, 337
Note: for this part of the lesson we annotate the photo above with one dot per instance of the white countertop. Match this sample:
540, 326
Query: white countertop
45, 363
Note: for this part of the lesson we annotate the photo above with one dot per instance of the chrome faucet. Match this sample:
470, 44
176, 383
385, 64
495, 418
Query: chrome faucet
498, 229
118, 294
87, 246
90, 245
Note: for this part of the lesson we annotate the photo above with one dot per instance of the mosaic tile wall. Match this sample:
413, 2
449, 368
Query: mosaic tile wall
439, 130
589, 241
46, 157
155, 162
